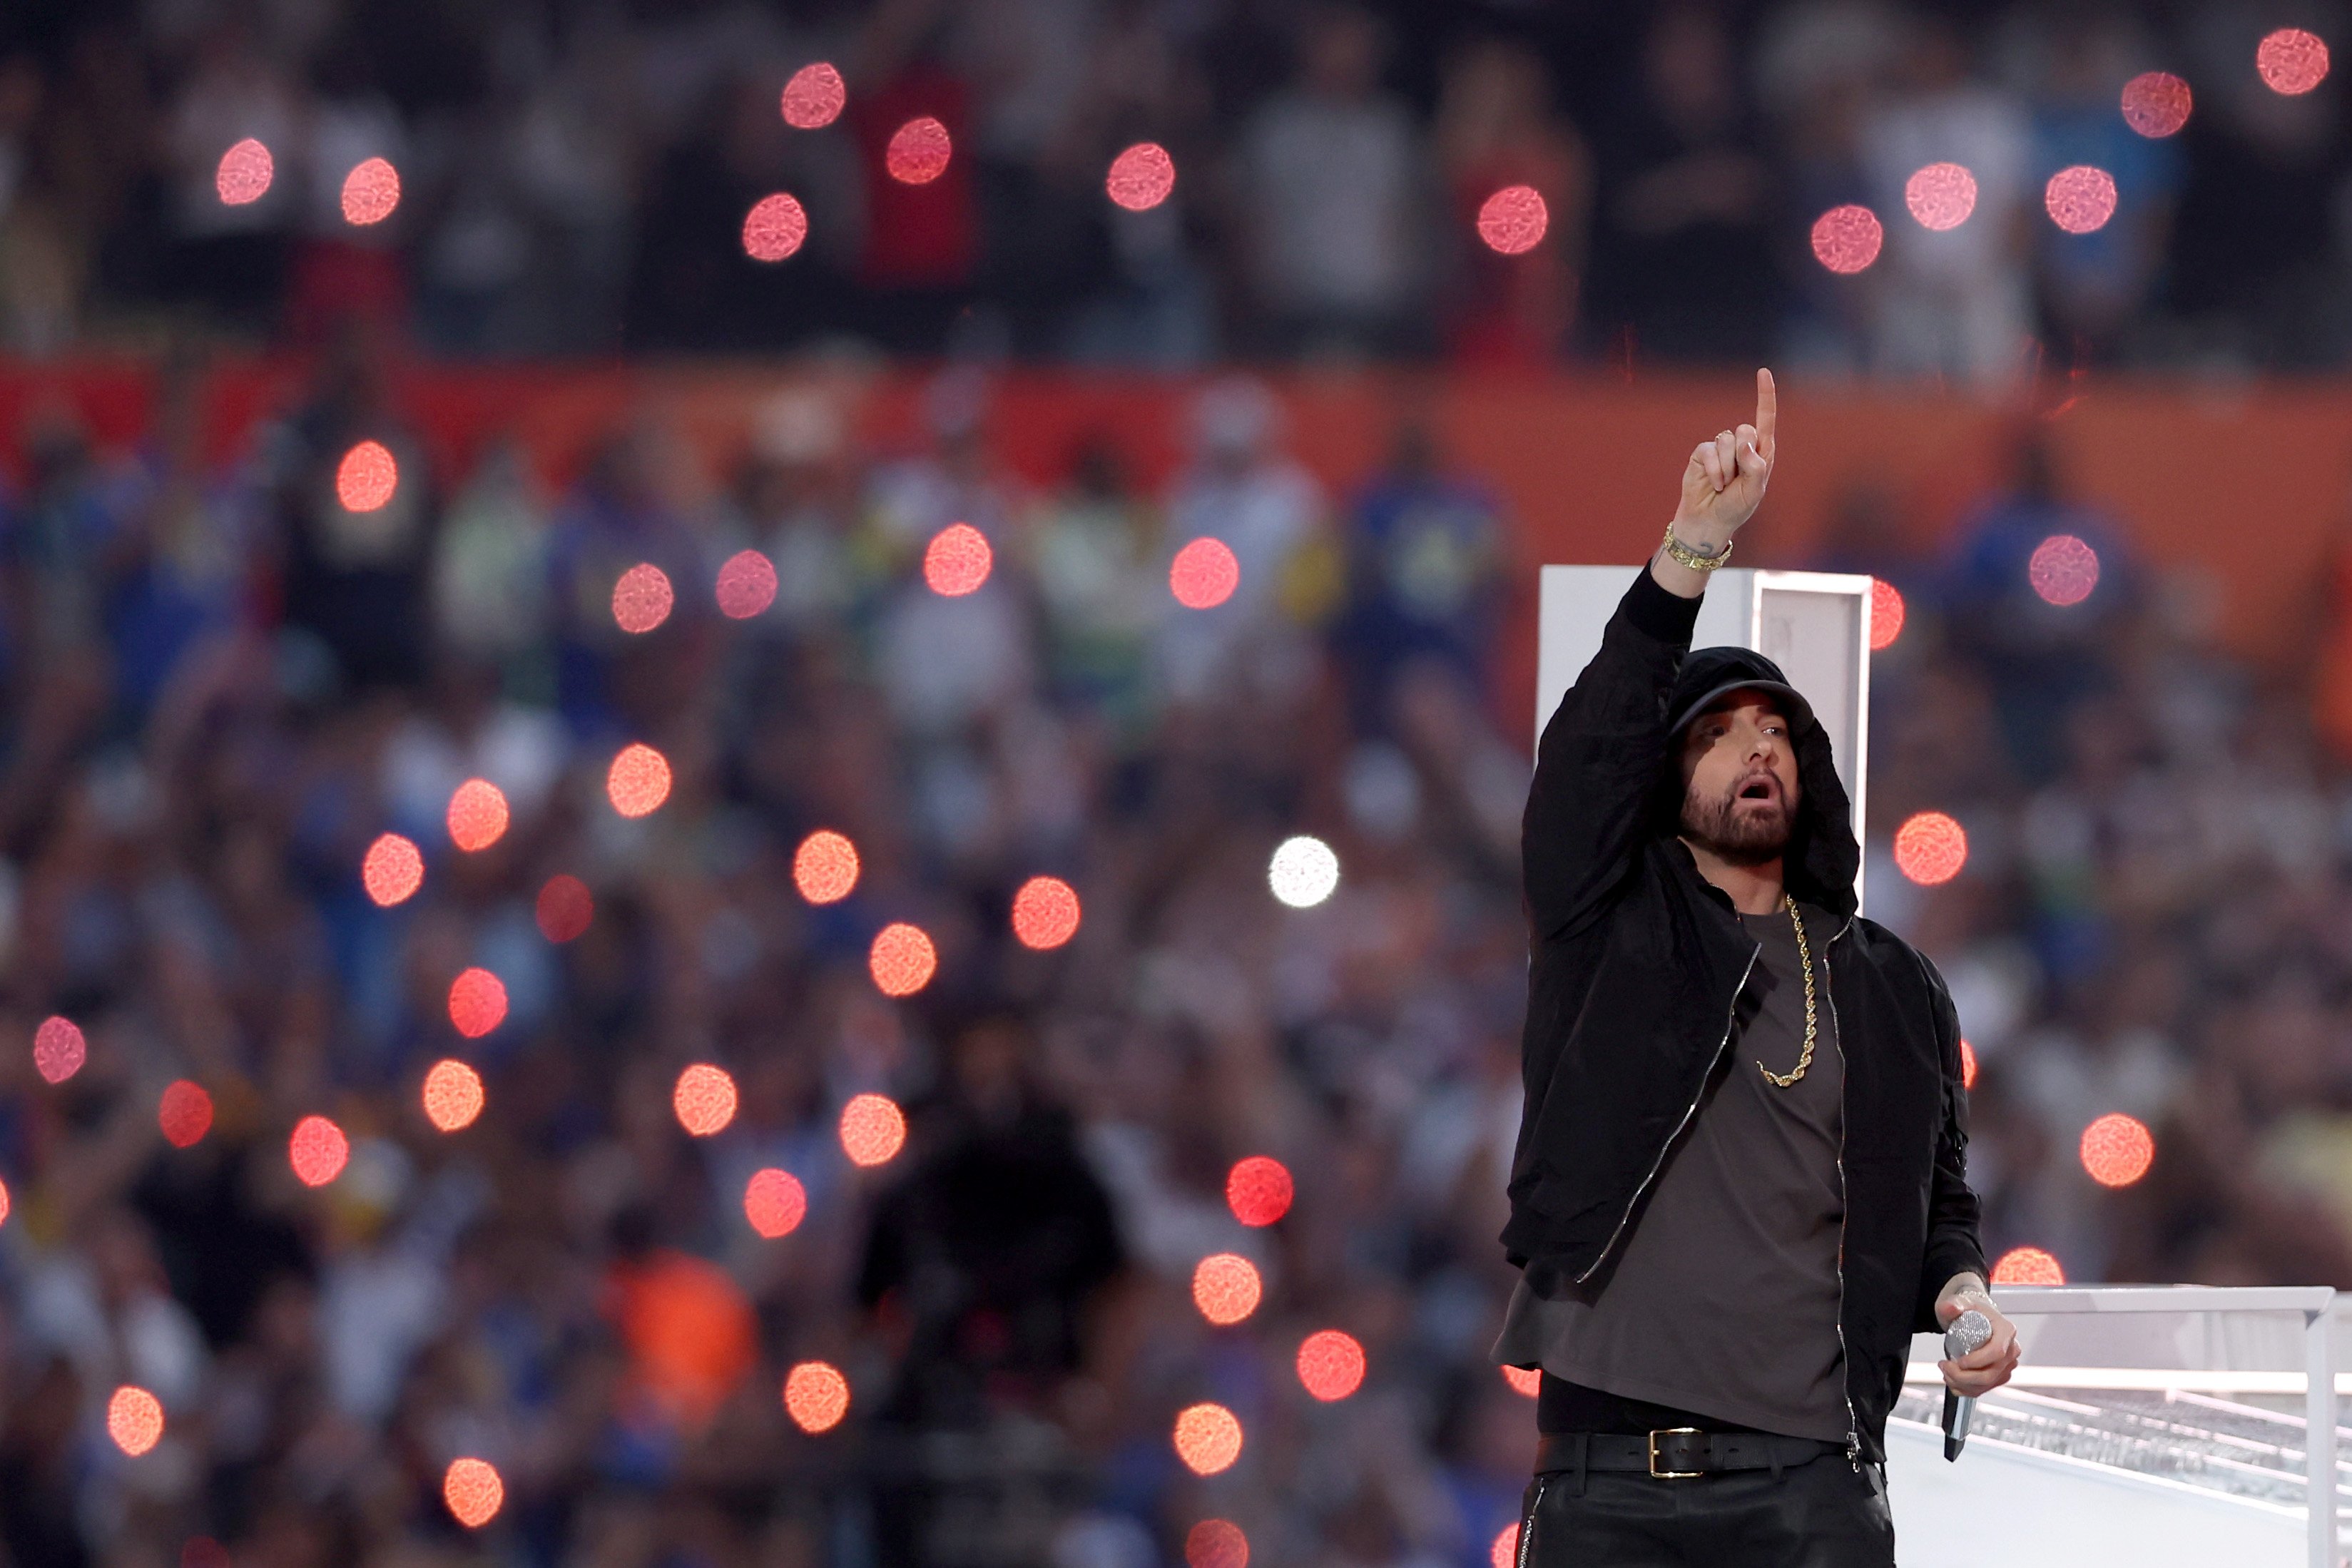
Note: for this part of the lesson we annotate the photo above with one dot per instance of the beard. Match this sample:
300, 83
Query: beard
1754, 836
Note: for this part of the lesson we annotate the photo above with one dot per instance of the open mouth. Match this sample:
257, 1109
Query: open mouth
1758, 789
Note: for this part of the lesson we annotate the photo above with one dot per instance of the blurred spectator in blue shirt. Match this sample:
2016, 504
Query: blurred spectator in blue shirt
1425, 565
2094, 285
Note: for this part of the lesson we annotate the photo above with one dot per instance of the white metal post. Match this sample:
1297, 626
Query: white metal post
2319, 1436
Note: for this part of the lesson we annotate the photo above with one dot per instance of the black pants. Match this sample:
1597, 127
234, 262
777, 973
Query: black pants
1822, 1514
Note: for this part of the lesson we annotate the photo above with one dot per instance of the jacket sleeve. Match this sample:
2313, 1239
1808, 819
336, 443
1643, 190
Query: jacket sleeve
1598, 762
1954, 1244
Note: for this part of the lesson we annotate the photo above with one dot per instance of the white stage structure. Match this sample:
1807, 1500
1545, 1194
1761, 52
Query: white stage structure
2165, 1427
2151, 1424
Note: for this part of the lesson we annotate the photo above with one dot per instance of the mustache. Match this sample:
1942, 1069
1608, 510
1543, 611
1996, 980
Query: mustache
1741, 837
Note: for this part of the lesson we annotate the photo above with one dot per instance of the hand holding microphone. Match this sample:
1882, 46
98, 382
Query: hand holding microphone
1970, 1331
1980, 1353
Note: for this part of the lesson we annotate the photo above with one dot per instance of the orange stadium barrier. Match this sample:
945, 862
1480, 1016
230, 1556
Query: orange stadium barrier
2247, 483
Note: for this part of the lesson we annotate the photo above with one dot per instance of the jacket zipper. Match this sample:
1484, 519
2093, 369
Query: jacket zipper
1730, 1016
1527, 1530
1845, 1363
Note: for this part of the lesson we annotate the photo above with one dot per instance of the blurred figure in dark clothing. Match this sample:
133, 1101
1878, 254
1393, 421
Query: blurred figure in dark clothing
37, 1464
2040, 655
1681, 255
693, 285
353, 562
981, 1264
980, 1269
2255, 258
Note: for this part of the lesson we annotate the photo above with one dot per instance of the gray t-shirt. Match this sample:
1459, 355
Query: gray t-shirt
1723, 1297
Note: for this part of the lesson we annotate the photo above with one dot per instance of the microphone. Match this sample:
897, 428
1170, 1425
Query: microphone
1968, 1331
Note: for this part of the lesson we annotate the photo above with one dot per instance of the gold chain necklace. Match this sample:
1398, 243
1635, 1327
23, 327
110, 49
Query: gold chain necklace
1805, 957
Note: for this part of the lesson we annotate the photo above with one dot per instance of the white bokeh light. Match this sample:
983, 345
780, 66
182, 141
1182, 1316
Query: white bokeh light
1304, 872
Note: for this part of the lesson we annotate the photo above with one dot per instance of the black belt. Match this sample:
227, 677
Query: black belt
1676, 1453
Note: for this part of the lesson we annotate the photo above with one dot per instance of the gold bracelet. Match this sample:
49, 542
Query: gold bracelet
1685, 555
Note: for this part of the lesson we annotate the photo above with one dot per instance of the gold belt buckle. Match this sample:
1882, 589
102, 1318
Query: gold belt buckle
1658, 1432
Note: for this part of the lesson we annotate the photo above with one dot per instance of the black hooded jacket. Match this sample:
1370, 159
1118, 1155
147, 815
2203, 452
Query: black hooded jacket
1636, 963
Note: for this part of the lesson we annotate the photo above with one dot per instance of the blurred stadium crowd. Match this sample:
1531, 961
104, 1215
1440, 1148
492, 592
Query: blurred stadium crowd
224, 683
574, 177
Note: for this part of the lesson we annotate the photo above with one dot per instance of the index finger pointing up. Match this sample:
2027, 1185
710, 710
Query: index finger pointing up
1768, 411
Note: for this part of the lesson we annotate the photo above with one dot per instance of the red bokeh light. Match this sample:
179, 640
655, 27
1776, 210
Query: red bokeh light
902, 960
774, 228
245, 172
1513, 220
472, 1491
1847, 239
317, 1151
2292, 62
134, 1419
477, 1003
2156, 103
367, 477
453, 1095
814, 97
747, 585
1208, 1438
59, 1049
1204, 574
774, 1202
185, 1113
2118, 1149
4, 1203
1930, 847
1331, 1364
2080, 199
565, 908
1885, 614
816, 1396
824, 867
1526, 1381
918, 151
1227, 1287
1968, 1065
1258, 1190
957, 561
1142, 177
477, 815
1045, 912
393, 870
2063, 570
1217, 1544
2028, 1266
1941, 195
704, 1100
371, 191
873, 1129
1505, 1552
642, 598
638, 781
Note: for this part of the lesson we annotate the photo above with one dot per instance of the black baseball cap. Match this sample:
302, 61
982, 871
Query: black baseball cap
1710, 673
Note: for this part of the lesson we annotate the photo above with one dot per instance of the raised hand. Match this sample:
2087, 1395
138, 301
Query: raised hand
1725, 479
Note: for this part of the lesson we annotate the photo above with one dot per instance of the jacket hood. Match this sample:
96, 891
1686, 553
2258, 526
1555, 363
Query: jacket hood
1823, 857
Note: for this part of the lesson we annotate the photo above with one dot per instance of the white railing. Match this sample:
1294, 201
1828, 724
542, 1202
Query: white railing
2318, 1382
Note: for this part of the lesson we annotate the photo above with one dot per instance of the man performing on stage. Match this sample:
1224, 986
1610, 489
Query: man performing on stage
1739, 1183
